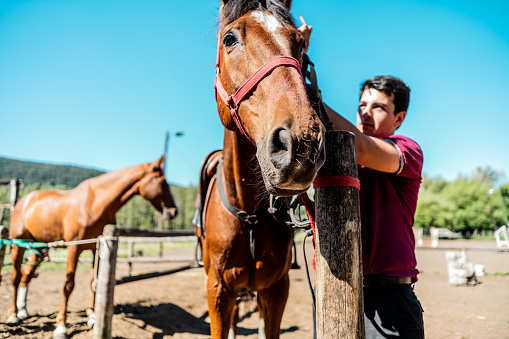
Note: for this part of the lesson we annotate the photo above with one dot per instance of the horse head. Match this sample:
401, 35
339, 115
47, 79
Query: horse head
154, 188
259, 39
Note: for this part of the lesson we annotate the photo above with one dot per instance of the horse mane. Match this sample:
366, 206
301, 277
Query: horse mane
109, 176
234, 9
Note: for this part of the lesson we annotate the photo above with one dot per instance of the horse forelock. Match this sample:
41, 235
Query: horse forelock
234, 9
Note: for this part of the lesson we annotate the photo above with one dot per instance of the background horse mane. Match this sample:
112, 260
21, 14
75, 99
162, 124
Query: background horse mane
234, 9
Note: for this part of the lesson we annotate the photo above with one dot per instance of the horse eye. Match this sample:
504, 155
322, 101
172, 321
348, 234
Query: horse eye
229, 40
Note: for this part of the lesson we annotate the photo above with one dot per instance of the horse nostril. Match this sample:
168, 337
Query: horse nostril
170, 213
280, 147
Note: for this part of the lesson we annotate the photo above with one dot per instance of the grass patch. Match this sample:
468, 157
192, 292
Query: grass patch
151, 249
299, 236
47, 266
499, 274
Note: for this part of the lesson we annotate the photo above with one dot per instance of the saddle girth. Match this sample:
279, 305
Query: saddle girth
249, 219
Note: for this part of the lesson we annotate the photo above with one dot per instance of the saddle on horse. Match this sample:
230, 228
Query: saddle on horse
207, 177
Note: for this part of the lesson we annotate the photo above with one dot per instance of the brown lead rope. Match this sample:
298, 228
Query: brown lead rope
314, 93
315, 96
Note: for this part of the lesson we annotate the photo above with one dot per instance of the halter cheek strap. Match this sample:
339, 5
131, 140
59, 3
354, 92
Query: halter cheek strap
233, 101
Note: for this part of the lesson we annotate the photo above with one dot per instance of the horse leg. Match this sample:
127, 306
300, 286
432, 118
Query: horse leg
221, 303
17, 260
295, 265
72, 261
232, 334
91, 298
28, 272
271, 304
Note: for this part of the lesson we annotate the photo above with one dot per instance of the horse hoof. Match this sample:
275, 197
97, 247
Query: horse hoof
23, 314
13, 320
91, 321
60, 332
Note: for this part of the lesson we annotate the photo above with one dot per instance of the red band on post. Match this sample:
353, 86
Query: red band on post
326, 181
337, 180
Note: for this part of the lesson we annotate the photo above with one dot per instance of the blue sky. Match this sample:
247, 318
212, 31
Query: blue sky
98, 83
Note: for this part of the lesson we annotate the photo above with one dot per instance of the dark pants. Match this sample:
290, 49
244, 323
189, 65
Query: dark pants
390, 311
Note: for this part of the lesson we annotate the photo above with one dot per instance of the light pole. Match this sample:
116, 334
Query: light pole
166, 142
490, 192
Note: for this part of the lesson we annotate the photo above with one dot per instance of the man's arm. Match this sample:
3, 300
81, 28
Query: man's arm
372, 152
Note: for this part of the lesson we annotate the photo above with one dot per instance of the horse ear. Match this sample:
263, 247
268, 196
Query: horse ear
223, 2
159, 163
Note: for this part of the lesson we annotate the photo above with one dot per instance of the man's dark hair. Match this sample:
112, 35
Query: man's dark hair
390, 85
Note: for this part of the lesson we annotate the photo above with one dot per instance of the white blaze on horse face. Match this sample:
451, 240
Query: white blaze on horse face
270, 23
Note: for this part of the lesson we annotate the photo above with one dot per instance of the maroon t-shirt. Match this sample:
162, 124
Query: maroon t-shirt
388, 202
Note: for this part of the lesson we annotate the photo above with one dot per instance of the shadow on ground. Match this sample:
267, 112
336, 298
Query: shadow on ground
168, 318
42, 325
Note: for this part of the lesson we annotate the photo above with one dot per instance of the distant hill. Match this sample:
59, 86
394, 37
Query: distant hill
35, 172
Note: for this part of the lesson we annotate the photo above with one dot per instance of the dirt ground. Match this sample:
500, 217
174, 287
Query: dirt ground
175, 305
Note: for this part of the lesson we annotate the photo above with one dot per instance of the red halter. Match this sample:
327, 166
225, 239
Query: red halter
234, 100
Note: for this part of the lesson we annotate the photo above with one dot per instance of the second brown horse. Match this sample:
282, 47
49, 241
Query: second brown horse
81, 213
273, 143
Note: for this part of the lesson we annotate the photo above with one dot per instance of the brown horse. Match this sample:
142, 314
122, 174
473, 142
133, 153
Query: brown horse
81, 213
273, 143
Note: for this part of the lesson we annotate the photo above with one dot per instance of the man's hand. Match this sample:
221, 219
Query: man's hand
305, 29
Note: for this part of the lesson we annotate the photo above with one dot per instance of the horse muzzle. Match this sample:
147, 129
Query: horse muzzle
170, 213
291, 161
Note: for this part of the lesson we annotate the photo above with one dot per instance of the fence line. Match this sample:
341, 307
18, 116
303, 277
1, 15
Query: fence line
107, 253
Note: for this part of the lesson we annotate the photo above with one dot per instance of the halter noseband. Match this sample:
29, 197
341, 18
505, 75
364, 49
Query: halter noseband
233, 101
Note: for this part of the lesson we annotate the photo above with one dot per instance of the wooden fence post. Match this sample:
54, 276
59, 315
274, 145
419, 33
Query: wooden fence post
4, 234
14, 192
339, 286
130, 254
104, 307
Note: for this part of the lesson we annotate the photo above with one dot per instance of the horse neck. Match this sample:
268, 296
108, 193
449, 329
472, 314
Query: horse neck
242, 178
113, 190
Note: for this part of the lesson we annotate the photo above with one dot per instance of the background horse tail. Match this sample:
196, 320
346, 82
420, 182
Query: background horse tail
17, 229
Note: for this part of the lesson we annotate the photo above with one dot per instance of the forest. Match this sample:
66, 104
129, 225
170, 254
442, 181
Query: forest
469, 204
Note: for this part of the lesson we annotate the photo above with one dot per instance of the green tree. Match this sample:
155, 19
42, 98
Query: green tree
462, 205
185, 197
488, 175
504, 195
433, 210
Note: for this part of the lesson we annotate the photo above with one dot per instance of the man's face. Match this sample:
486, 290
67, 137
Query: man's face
375, 116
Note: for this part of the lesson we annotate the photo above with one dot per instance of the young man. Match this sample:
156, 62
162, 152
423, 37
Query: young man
390, 169
390, 174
